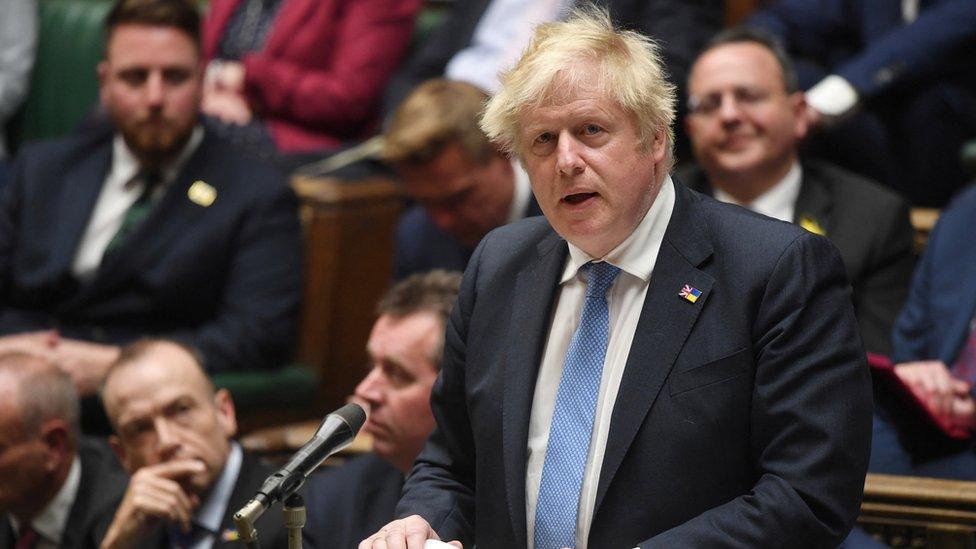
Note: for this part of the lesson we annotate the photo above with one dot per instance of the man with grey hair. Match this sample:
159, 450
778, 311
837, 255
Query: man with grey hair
52, 484
644, 366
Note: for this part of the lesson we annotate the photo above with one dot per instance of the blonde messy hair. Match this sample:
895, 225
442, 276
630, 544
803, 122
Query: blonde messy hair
631, 73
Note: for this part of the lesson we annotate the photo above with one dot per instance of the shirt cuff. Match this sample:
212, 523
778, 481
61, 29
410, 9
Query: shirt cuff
832, 96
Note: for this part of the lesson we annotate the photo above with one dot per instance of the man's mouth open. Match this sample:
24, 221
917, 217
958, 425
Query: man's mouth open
578, 198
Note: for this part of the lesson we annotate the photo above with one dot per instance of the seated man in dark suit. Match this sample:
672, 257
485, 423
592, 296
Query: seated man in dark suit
347, 503
935, 354
53, 483
156, 227
745, 123
175, 437
643, 366
463, 185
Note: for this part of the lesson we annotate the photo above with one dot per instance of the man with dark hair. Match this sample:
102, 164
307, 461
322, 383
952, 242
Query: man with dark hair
153, 228
746, 122
174, 435
348, 503
53, 484
463, 185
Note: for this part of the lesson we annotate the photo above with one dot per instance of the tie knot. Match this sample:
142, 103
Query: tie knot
599, 277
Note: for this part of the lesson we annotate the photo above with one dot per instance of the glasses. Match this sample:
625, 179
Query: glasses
744, 98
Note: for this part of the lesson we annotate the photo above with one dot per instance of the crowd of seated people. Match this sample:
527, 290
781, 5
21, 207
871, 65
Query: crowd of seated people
172, 222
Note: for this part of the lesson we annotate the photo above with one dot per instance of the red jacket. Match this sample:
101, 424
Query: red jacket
320, 76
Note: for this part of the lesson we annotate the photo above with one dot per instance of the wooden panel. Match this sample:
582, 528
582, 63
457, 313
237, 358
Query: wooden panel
920, 512
349, 253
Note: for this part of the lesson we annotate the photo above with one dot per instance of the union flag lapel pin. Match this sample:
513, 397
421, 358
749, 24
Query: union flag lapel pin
690, 293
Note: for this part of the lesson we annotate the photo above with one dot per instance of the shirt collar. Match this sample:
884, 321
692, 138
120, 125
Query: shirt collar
50, 523
637, 253
778, 202
125, 165
211, 512
520, 196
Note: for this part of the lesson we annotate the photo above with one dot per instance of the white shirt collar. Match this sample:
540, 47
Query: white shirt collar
520, 195
211, 512
51, 521
637, 253
125, 165
779, 202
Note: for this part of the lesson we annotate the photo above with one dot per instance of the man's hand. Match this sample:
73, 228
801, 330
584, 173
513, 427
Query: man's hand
931, 381
153, 497
226, 106
410, 533
85, 362
225, 76
33, 343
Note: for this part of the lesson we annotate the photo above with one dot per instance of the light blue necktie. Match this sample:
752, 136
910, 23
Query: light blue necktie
572, 419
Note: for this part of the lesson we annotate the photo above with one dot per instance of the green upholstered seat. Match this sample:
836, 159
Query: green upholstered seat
291, 387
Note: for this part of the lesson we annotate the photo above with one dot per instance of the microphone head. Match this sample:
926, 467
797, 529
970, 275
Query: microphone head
353, 414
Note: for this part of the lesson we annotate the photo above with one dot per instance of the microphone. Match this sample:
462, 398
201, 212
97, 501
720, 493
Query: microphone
334, 433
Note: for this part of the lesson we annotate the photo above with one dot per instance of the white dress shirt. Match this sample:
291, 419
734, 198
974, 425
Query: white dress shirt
119, 192
498, 41
778, 202
51, 522
635, 257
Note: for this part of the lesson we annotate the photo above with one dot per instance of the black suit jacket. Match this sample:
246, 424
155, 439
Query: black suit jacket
681, 26
101, 486
743, 419
225, 278
347, 504
871, 228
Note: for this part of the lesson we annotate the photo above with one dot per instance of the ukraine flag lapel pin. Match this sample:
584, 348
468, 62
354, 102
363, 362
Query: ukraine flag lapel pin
690, 293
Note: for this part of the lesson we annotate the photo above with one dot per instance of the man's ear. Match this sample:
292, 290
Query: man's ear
226, 415
119, 450
54, 435
801, 122
102, 71
659, 147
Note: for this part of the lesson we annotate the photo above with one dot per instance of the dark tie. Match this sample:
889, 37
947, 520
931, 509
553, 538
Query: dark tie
572, 418
27, 539
965, 365
139, 209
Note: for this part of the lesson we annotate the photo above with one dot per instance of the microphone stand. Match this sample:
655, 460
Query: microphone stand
244, 520
294, 518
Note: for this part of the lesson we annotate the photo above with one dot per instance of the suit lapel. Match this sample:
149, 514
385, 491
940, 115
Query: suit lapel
76, 204
171, 219
665, 322
813, 203
535, 291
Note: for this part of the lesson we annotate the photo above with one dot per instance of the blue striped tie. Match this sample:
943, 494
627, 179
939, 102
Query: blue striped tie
572, 419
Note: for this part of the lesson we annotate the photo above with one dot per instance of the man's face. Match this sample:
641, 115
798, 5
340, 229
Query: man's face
24, 463
745, 125
465, 199
151, 85
163, 410
398, 386
593, 178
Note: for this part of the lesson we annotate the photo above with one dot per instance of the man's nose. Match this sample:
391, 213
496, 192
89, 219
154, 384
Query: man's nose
729, 109
568, 159
445, 218
155, 91
370, 388
167, 436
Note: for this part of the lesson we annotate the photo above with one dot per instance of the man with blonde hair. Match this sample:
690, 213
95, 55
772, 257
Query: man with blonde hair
645, 366
463, 185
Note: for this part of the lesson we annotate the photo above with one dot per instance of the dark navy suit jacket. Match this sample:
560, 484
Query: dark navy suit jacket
225, 278
743, 419
934, 323
868, 43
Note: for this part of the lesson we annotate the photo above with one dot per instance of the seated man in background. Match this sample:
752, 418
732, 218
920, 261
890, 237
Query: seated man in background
935, 354
745, 122
347, 503
301, 75
892, 84
53, 483
464, 186
154, 228
175, 437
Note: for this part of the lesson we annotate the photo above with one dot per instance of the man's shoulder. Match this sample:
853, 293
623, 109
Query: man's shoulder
851, 189
56, 150
354, 475
243, 174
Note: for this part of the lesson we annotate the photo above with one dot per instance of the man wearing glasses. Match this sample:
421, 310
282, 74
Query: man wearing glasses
746, 121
